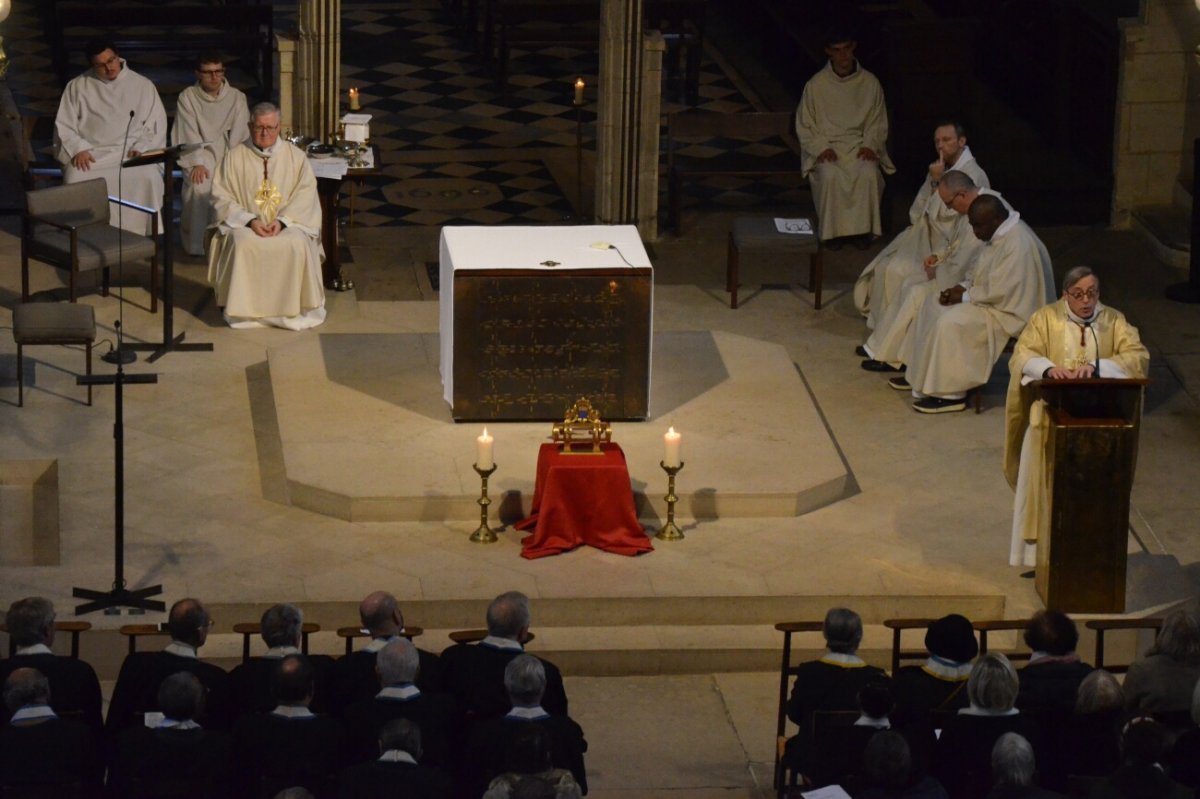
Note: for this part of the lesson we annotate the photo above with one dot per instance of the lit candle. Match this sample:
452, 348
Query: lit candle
671, 446
579, 91
354, 106
483, 451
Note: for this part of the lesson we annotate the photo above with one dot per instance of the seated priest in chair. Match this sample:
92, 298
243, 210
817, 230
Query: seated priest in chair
265, 260
1074, 338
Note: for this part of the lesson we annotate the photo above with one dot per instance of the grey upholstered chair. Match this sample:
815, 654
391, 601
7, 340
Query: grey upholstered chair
68, 227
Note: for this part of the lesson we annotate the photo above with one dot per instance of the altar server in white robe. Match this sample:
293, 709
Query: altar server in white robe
843, 126
890, 345
932, 226
1072, 339
265, 259
106, 115
214, 114
961, 332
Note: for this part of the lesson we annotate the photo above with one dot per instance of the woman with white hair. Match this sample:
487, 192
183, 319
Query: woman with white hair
963, 756
1162, 682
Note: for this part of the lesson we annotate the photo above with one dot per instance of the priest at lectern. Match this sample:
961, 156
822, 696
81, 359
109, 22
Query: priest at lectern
1073, 338
265, 261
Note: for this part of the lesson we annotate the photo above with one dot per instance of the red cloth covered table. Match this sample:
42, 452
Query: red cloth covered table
582, 499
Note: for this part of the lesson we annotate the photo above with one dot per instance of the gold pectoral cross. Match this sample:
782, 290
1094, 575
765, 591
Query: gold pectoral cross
268, 197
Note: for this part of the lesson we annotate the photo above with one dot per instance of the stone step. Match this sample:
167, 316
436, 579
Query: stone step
1168, 229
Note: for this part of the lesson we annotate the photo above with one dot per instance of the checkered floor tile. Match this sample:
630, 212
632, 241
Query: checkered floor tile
428, 89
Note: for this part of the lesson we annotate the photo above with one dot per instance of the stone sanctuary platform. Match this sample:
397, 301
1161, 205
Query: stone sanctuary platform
390, 451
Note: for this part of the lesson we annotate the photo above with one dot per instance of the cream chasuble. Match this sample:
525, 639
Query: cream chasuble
222, 121
267, 280
92, 115
932, 226
1054, 337
844, 114
955, 346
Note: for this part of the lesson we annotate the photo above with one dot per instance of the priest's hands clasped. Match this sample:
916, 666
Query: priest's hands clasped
264, 230
952, 295
1061, 373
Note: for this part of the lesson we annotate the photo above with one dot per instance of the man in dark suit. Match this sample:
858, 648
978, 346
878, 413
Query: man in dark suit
176, 756
400, 698
525, 685
74, 689
1050, 681
398, 771
250, 682
39, 749
136, 691
474, 673
354, 677
830, 683
291, 745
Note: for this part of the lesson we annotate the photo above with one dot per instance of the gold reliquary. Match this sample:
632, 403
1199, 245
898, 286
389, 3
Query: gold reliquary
581, 430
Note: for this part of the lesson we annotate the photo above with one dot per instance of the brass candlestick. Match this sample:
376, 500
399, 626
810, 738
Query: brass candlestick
670, 532
484, 534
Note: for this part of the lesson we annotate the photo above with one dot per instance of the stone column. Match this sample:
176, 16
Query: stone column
285, 78
625, 113
318, 67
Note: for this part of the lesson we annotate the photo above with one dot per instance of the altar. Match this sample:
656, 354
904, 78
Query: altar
533, 318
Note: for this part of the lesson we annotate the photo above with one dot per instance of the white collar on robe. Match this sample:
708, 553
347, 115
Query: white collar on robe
181, 649
30, 712
1079, 320
397, 756
527, 713
506, 644
213, 98
280, 652
402, 691
853, 74
965, 157
35, 649
1006, 226
946, 669
293, 712
270, 151
843, 660
974, 710
866, 721
375, 644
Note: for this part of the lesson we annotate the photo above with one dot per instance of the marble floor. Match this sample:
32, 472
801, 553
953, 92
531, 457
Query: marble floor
923, 526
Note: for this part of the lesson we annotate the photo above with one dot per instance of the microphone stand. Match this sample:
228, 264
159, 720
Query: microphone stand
120, 354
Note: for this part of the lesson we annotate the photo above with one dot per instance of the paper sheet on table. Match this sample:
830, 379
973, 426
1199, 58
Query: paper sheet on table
798, 227
328, 167
828, 792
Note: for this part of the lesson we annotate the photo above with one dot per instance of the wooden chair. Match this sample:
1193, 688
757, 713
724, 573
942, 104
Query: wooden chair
1000, 625
351, 633
74, 628
52, 323
68, 227
135, 631
784, 778
249, 629
1102, 626
898, 626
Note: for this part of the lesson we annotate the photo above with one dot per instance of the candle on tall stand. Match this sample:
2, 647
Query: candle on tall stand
579, 99
671, 464
354, 104
484, 465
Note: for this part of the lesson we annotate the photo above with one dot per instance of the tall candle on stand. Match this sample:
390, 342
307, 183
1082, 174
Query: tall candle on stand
671, 448
354, 106
579, 91
483, 451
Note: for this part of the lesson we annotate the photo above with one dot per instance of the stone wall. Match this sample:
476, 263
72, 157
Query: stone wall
1158, 114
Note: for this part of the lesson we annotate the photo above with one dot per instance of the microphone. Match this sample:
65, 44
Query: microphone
121, 356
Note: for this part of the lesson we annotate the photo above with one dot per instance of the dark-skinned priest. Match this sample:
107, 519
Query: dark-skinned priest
265, 261
1074, 338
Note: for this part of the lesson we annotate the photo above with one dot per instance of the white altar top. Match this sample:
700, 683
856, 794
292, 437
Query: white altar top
570, 247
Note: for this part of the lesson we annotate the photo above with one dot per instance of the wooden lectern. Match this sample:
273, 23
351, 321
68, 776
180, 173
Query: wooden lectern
1091, 454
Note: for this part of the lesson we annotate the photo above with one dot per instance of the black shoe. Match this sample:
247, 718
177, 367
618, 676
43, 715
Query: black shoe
939, 405
872, 365
863, 242
899, 383
861, 351
833, 244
